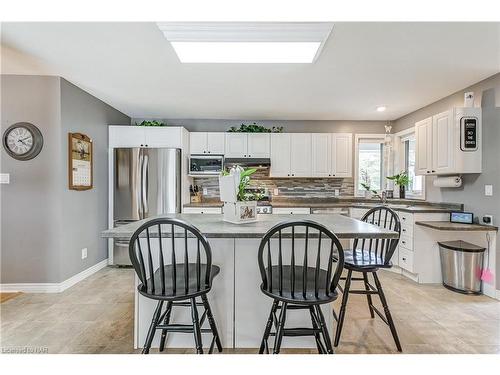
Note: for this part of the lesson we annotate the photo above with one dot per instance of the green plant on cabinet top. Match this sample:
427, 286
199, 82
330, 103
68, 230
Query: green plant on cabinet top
254, 128
151, 123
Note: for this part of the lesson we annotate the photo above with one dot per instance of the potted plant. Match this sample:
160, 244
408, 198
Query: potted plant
402, 180
239, 206
366, 184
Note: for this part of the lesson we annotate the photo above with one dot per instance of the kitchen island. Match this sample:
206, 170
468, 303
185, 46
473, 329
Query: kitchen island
240, 309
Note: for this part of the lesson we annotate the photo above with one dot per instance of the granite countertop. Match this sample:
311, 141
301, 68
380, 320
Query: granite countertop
447, 225
411, 206
212, 226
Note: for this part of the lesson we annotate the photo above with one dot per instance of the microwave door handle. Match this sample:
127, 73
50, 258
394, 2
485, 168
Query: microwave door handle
145, 184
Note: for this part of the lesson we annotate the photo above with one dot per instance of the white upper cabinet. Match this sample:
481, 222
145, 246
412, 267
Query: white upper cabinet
439, 142
170, 137
236, 145
423, 140
245, 145
442, 143
206, 143
300, 155
198, 143
311, 155
216, 143
321, 155
126, 136
280, 155
341, 151
143, 136
259, 145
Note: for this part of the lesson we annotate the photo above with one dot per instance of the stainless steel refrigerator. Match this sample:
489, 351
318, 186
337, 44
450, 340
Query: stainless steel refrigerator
147, 182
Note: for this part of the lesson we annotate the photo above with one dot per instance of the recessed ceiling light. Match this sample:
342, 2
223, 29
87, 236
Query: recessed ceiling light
246, 42
381, 108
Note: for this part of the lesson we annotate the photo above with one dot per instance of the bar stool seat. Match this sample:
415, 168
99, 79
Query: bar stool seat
310, 297
357, 259
180, 292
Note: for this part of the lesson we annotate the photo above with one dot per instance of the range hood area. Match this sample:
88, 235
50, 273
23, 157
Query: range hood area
248, 162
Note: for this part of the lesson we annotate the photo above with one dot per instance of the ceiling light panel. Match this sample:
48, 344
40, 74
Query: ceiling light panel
246, 42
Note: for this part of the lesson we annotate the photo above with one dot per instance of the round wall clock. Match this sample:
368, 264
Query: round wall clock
22, 141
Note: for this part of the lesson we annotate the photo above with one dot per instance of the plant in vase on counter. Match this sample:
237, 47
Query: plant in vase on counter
366, 184
402, 180
240, 206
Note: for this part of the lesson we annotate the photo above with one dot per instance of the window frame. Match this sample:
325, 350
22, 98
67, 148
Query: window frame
357, 138
400, 159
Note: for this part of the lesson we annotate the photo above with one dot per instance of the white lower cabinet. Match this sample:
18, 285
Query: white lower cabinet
202, 210
291, 211
413, 256
405, 260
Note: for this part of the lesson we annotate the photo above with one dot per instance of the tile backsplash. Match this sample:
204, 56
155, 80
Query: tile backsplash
287, 187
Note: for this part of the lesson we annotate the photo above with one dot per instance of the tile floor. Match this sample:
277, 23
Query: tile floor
96, 316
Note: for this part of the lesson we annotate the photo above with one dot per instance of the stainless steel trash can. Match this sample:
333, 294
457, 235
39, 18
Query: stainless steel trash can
461, 266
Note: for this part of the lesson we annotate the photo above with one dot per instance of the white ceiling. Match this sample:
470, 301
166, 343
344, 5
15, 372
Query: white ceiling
131, 66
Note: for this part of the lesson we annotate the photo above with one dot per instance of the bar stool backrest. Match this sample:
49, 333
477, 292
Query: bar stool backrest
174, 245
379, 251
307, 244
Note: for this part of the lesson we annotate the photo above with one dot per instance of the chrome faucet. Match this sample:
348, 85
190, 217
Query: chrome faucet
382, 196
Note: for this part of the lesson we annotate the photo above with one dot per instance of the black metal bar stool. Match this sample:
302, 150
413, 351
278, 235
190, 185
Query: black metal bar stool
299, 282
177, 275
368, 256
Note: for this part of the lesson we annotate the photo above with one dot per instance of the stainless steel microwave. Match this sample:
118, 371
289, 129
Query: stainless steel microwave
205, 165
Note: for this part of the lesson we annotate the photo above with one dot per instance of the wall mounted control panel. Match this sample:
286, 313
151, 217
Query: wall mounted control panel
468, 134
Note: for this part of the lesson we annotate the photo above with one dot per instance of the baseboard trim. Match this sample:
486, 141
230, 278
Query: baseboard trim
53, 287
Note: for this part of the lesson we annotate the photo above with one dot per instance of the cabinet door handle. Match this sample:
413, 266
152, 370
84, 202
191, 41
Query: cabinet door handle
433, 171
404, 242
404, 259
249, 156
288, 174
208, 152
204, 152
404, 230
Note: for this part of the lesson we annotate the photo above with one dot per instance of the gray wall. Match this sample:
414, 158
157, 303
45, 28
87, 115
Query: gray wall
471, 194
44, 224
31, 220
84, 213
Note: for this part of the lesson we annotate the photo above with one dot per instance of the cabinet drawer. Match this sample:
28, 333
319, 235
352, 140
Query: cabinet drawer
406, 259
406, 218
406, 229
291, 210
202, 210
406, 242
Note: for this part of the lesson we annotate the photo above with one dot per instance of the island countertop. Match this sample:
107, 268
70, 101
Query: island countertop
212, 226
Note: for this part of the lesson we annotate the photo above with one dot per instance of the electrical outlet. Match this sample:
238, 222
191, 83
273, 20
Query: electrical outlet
337, 192
4, 178
276, 191
205, 191
488, 190
84, 253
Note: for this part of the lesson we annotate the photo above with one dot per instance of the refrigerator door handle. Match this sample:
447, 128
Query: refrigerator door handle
144, 189
139, 185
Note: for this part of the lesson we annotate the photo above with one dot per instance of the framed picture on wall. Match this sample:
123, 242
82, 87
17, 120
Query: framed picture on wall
80, 163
